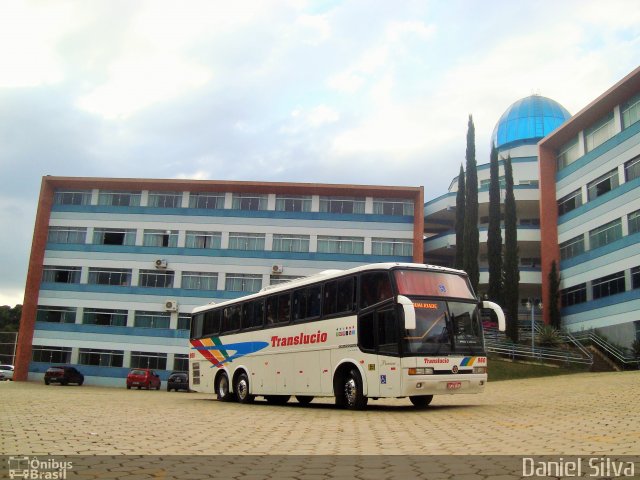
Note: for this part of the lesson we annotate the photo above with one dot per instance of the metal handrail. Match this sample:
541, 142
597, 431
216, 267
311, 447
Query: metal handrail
615, 353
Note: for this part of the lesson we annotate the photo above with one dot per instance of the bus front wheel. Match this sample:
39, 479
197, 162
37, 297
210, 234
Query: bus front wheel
421, 401
353, 398
242, 389
222, 388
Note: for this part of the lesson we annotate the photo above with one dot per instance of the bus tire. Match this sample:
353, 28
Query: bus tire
277, 399
353, 397
421, 401
242, 389
222, 388
304, 399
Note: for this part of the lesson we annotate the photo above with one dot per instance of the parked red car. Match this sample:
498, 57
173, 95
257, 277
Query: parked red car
143, 378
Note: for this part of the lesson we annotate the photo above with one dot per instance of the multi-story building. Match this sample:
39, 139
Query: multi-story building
117, 265
590, 204
515, 135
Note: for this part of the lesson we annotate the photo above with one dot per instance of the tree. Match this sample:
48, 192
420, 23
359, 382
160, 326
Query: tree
511, 270
554, 297
471, 233
494, 233
10, 318
460, 204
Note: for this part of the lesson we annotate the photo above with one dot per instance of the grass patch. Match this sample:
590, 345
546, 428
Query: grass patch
501, 369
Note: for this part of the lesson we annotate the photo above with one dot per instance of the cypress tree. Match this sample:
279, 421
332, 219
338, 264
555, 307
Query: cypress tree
554, 297
471, 233
511, 270
460, 204
494, 233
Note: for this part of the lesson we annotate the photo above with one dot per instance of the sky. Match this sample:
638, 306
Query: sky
372, 92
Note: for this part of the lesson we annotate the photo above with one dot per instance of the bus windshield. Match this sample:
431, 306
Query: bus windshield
436, 284
443, 328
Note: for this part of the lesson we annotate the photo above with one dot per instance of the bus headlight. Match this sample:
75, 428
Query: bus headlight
479, 369
421, 371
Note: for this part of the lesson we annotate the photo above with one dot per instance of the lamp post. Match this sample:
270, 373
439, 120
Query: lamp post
531, 303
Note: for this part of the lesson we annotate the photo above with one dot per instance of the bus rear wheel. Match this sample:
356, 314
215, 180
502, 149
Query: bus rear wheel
222, 388
242, 389
353, 398
304, 399
277, 399
421, 401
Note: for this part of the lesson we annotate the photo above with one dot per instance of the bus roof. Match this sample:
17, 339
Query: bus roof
327, 275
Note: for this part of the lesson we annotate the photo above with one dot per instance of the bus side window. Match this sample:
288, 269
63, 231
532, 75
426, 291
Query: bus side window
346, 295
374, 288
306, 303
366, 332
231, 319
252, 314
278, 309
330, 297
196, 325
211, 324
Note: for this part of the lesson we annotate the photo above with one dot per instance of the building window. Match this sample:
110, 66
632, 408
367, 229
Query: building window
46, 354
160, 238
67, 235
61, 275
114, 236
342, 205
634, 222
293, 203
156, 279
199, 281
120, 199
165, 199
571, 248
249, 201
392, 206
599, 133
605, 234
203, 239
111, 318
184, 321
246, 241
630, 111
181, 362
153, 360
632, 169
573, 295
392, 246
568, 154
110, 276
570, 202
635, 277
82, 197
101, 358
152, 319
609, 285
603, 184
345, 245
209, 201
290, 243
239, 282
531, 183
56, 314
280, 279
533, 222
530, 262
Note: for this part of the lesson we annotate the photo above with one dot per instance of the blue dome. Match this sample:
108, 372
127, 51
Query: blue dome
527, 121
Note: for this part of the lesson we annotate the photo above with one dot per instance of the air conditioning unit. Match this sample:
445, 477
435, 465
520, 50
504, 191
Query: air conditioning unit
161, 263
277, 269
171, 305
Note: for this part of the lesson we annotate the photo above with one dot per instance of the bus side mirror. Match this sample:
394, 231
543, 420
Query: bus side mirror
498, 311
409, 312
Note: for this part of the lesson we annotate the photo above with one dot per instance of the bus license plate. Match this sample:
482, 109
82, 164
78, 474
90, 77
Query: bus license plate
454, 385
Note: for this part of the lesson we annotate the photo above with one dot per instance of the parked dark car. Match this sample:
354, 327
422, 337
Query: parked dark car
63, 375
143, 378
178, 381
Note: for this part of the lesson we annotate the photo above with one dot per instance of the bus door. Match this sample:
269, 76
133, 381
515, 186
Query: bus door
378, 333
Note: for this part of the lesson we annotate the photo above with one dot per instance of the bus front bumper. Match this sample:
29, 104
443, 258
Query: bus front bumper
443, 384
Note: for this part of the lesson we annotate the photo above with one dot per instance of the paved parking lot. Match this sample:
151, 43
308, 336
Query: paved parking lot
582, 414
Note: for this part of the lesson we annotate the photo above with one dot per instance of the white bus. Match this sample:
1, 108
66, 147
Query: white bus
375, 331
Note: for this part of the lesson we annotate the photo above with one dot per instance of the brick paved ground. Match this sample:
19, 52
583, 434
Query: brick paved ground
583, 414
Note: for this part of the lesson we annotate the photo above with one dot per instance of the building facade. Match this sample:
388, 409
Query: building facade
117, 265
515, 135
590, 204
